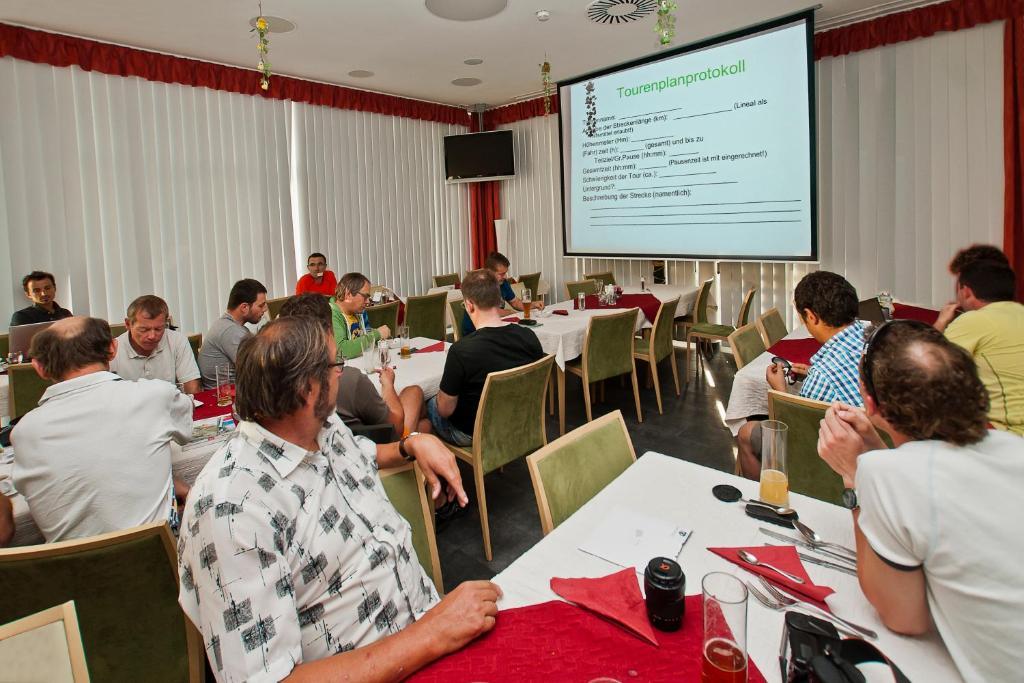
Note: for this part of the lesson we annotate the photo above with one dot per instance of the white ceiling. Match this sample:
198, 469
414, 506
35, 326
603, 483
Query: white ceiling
412, 52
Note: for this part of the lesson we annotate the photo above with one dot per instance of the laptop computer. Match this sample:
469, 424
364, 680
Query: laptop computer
21, 336
872, 311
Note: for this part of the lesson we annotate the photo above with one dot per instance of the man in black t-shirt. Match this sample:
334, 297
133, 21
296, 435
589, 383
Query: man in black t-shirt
494, 346
41, 289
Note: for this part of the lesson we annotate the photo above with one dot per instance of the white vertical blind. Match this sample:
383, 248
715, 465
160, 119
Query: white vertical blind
369, 192
910, 158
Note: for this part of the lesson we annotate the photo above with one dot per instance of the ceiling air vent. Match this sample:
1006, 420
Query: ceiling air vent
619, 11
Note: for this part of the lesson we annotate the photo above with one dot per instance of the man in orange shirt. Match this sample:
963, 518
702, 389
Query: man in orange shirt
319, 280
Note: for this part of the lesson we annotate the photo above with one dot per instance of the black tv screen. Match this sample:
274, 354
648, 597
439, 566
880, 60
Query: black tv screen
478, 156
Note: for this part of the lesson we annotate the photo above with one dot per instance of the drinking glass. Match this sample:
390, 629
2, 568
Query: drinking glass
13, 358
600, 291
527, 299
774, 474
404, 347
365, 344
382, 357
581, 301
225, 386
725, 629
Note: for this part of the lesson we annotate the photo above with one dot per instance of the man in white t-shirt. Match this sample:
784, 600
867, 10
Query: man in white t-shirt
149, 350
95, 456
935, 518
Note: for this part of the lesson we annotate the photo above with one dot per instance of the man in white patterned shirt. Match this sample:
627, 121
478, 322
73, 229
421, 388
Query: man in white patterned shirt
293, 561
827, 305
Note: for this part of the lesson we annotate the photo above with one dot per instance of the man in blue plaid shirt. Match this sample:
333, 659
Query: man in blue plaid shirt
827, 305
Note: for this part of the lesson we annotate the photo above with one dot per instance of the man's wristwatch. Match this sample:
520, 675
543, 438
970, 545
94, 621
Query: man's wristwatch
850, 499
409, 457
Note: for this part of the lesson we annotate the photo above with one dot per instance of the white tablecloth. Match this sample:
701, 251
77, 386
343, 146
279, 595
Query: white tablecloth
687, 296
4, 398
422, 369
674, 489
563, 335
749, 394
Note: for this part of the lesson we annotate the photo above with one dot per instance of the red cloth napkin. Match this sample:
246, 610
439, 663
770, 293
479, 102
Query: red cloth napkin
796, 350
648, 303
555, 641
511, 319
616, 597
905, 312
210, 407
559, 311
784, 557
439, 346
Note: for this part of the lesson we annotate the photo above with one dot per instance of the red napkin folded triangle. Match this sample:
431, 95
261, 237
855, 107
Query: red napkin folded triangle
511, 319
559, 311
439, 346
785, 558
615, 597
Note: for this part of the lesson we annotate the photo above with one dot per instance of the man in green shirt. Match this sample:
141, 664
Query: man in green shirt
348, 315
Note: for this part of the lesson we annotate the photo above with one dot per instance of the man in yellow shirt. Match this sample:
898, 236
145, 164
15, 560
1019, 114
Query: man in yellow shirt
991, 329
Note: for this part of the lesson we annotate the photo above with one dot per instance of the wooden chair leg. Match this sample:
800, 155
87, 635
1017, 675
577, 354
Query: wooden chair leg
586, 399
650, 375
561, 400
686, 365
675, 372
657, 384
636, 395
481, 497
551, 393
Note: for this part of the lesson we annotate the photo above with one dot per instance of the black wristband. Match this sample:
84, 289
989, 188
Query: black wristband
406, 455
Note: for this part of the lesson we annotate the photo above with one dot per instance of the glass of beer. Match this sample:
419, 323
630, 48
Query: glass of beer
404, 347
225, 395
527, 299
725, 629
774, 475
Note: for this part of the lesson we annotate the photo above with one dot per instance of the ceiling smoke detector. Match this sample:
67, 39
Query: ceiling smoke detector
620, 11
543, 15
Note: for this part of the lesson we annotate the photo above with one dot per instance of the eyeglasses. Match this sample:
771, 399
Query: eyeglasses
365, 295
337, 364
871, 340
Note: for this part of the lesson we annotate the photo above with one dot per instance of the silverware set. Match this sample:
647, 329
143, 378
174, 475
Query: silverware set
774, 599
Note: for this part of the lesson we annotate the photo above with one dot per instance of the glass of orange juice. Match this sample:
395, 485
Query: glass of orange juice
774, 475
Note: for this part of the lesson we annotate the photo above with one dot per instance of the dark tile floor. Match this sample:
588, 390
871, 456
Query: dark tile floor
691, 429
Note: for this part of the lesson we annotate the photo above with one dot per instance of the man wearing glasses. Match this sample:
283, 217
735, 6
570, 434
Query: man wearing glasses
348, 315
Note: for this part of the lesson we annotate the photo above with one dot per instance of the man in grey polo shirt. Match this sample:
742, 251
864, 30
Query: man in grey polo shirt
247, 303
95, 456
148, 350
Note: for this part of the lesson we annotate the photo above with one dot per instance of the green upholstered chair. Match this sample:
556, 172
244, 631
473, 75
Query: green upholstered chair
196, 342
532, 282
608, 352
406, 489
607, 277
772, 327
746, 344
383, 314
5, 345
572, 289
447, 280
117, 329
574, 468
657, 346
26, 387
125, 588
45, 646
425, 315
808, 473
699, 312
274, 307
704, 331
509, 425
457, 308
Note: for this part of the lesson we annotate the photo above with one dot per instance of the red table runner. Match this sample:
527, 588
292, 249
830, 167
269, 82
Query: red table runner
648, 303
210, 407
796, 350
555, 641
905, 312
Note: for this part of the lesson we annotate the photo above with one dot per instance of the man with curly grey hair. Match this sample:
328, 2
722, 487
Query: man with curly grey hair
933, 517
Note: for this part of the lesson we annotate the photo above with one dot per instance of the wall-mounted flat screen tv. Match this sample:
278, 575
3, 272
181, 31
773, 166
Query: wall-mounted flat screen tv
476, 157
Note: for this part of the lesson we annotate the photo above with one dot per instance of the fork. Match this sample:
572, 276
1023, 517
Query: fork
787, 601
779, 607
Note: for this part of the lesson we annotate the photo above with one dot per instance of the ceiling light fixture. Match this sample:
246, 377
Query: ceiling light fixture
360, 73
473, 61
465, 10
466, 82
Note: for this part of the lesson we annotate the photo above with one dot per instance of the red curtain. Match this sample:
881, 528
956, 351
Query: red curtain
60, 50
484, 207
518, 111
917, 23
1013, 133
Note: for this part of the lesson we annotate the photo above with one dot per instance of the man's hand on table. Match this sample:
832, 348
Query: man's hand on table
844, 434
437, 462
387, 377
467, 612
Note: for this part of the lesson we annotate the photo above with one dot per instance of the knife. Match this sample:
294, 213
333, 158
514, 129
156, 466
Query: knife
823, 563
804, 544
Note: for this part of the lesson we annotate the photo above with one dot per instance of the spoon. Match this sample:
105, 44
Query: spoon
731, 494
815, 539
751, 558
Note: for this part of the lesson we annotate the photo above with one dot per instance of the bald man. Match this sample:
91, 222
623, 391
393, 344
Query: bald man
95, 456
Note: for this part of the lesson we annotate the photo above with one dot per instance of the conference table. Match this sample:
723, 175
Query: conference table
424, 368
668, 488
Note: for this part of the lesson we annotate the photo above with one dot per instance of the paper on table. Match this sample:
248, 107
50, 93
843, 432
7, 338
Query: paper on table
196, 403
630, 539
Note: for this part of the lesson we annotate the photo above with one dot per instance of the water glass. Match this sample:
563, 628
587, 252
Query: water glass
581, 301
724, 646
774, 473
225, 385
382, 357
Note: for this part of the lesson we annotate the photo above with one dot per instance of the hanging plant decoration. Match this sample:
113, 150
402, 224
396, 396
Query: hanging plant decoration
545, 77
261, 29
665, 26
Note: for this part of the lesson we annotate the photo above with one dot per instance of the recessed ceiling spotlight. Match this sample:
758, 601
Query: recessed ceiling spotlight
543, 15
474, 61
275, 24
465, 10
360, 73
465, 82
